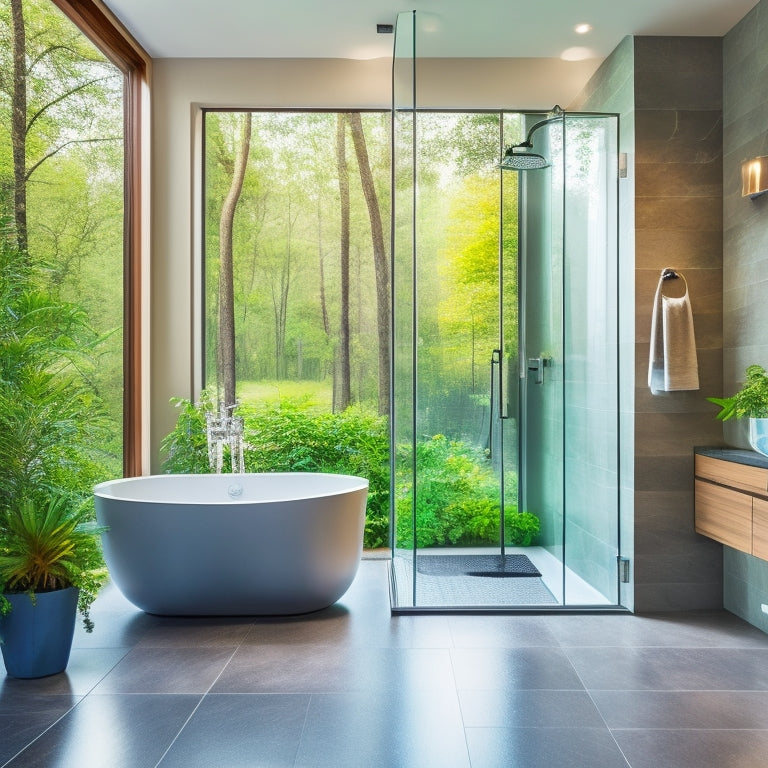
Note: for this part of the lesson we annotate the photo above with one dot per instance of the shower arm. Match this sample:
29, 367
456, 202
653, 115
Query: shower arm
557, 114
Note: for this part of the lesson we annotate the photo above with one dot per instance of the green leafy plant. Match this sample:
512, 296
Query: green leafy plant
292, 436
751, 401
457, 498
46, 547
457, 501
52, 421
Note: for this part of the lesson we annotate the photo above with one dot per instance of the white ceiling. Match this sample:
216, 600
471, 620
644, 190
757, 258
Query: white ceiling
455, 28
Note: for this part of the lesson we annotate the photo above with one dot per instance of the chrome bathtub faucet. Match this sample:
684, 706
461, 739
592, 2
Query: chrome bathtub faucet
222, 428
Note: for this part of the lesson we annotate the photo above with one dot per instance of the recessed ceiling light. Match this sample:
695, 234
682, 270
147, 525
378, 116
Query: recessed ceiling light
582, 29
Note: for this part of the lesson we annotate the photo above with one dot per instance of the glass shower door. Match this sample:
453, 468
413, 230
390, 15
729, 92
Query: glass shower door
541, 257
570, 407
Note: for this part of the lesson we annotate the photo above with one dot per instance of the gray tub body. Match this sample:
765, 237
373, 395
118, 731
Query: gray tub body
225, 545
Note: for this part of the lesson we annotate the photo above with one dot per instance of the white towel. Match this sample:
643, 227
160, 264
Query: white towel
673, 364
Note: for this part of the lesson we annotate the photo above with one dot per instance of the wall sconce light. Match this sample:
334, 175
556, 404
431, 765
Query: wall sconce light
754, 177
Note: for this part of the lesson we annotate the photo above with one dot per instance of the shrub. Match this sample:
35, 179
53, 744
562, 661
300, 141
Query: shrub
457, 493
457, 498
290, 437
52, 420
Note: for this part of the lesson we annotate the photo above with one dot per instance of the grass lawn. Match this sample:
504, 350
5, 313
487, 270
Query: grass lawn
318, 394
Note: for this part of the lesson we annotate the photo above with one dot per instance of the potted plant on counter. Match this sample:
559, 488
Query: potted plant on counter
751, 402
50, 567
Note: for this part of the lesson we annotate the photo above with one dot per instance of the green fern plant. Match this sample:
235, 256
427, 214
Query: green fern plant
751, 401
48, 547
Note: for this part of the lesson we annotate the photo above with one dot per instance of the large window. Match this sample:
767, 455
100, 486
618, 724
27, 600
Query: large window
68, 331
296, 257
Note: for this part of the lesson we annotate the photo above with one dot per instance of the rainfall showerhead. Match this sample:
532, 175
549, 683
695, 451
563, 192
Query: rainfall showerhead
521, 160
517, 158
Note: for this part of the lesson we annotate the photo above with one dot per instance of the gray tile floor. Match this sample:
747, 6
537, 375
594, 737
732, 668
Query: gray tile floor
354, 686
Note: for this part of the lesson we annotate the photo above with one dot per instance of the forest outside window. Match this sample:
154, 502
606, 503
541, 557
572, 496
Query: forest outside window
63, 209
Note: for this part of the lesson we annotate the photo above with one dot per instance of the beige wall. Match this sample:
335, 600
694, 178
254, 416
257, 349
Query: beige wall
183, 86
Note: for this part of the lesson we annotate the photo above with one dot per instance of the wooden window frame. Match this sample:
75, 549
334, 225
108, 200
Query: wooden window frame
107, 34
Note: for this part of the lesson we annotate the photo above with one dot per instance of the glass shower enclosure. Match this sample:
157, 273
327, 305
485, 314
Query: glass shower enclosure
505, 491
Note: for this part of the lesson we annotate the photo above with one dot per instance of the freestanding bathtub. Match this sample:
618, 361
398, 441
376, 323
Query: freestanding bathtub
226, 545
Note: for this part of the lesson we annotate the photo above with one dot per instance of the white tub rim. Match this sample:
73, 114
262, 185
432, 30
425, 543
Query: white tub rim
355, 483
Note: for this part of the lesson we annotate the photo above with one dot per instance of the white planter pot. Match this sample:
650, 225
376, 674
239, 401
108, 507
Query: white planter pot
758, 435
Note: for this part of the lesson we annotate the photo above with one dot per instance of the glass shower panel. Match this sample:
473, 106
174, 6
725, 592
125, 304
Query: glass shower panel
403, 428
541, 246
591, 484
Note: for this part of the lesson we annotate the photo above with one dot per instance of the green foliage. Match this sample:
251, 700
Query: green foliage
521, 528
457, 498
750, 401
185, 447
457, 492
51, 422
290, 437
45, 547
73, 162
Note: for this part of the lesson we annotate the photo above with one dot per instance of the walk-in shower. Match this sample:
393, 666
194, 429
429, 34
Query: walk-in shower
505, 443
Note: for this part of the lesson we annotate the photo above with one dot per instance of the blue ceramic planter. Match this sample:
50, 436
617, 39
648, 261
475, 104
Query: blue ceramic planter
758, 435
36, 638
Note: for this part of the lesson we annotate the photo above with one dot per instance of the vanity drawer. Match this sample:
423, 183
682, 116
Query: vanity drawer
760, 528
742, 476
724, 515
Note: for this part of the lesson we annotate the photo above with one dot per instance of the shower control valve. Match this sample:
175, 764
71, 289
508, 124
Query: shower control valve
538, 364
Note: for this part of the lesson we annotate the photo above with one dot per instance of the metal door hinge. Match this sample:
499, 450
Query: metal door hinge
622, 165
623, 563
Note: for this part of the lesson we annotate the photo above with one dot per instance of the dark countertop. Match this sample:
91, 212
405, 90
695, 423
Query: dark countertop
737, 455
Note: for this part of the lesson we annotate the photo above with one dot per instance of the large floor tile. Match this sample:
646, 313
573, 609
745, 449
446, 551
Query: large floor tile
119, 629
84, 671
683, 709
671, 669
693, 748
23, 717
110, 732
185, 632
514, 708
513, 668
501, 632
544, 748
364, 730
329, 669
694, 629
166, 670
241, 731
339, 626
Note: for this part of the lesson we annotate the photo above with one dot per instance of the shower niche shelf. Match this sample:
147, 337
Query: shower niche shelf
731, 498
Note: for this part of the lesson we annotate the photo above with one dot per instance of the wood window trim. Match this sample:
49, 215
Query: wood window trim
104, 31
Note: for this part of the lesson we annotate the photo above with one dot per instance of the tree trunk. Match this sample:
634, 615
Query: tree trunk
381, 264
344, 393
226, 345
280, 289
321, 259
19, 124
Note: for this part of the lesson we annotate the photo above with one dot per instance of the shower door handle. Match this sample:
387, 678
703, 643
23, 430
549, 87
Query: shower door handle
497, 359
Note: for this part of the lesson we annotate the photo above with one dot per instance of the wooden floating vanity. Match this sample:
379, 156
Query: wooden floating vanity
731, 498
